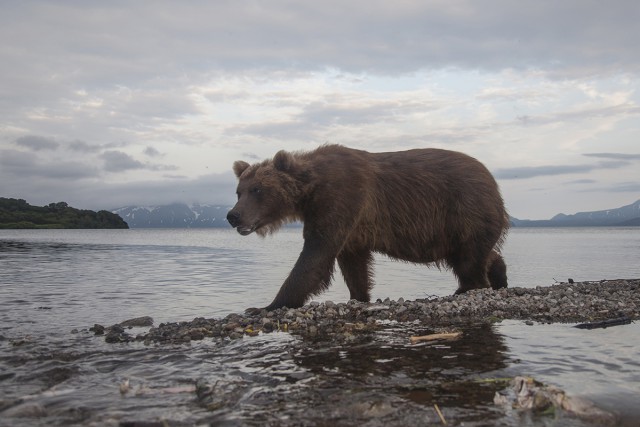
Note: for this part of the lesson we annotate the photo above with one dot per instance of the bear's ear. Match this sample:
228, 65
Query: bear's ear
284, 161
239, 167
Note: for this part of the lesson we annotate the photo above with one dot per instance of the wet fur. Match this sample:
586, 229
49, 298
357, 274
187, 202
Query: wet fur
426, 206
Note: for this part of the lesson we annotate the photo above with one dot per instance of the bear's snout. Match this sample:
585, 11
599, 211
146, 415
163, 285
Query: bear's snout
234, 218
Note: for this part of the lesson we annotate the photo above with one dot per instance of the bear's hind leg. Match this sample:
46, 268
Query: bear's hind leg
356, 270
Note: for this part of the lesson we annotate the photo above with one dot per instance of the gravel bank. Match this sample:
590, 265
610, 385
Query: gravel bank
564, 302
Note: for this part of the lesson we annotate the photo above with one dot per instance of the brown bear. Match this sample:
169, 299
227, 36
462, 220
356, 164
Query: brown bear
421, 206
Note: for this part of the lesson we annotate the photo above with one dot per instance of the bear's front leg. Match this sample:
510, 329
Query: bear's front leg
311, 275
356, 270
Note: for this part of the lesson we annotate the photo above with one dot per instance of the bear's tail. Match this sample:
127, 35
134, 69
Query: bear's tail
496, 271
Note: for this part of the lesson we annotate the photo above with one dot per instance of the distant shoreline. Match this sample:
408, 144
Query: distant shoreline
554, 224
180, 215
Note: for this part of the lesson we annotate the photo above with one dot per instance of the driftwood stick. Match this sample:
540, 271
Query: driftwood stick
435, 337
435, 406
624, 320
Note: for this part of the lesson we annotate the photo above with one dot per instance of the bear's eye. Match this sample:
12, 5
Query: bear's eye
255, 190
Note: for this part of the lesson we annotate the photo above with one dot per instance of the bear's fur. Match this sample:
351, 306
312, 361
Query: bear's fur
421, 206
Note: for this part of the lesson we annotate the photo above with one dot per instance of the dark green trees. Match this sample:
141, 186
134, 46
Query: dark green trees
17, 213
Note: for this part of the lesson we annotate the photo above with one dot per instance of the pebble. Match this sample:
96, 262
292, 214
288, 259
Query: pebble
575, 303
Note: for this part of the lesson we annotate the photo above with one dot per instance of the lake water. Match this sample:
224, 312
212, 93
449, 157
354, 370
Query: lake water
55, 281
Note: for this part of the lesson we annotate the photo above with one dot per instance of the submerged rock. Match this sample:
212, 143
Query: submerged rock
527, 394
25, 410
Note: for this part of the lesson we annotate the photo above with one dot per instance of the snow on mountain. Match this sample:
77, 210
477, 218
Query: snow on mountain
625, 215
608, 216
176, 215
179, 215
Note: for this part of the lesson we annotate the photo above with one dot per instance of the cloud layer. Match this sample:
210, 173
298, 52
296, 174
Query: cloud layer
116, 103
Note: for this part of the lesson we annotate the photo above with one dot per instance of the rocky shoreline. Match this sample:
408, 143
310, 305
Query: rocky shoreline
613, 301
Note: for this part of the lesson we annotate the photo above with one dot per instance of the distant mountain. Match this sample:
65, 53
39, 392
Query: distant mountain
625, 216
176, 215
179, 215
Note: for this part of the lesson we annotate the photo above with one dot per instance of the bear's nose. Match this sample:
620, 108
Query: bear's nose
234, 218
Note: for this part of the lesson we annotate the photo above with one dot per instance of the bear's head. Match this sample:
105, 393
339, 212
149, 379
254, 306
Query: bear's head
268, 194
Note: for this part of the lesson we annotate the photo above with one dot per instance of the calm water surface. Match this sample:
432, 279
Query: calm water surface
54, 281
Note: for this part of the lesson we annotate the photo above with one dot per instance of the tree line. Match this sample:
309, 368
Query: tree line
17, 213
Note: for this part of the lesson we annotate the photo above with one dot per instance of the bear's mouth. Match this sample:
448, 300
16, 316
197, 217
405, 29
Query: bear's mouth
245, 231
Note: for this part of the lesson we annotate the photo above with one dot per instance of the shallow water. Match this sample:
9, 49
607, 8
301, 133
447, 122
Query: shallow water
56, 281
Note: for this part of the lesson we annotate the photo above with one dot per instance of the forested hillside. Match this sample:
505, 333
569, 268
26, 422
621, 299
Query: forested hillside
17, 213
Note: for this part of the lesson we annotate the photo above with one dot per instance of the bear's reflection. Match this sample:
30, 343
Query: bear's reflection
385, 371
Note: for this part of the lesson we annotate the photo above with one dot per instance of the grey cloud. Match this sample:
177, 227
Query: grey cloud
152, 152
509, 94
37, 143
80, 79
280, 130
117, 161
626, 187
334, 111
214, 188
582, 181
621, 110
26, 166
160, 38
68, 170
550, 170
620, 187
17, 164
83, 147
251, 156
615, 156
163, 102
160, 168
365, 138
533, 171
222, 95
348, 113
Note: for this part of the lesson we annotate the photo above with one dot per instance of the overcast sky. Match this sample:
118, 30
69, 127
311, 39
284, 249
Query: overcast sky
113, 103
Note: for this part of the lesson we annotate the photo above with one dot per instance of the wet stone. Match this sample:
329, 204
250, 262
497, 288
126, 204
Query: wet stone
97, 329
139, 322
